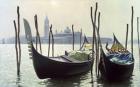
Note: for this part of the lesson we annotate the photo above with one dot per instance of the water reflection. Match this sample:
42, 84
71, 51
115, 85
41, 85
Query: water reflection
18, 81
74, 81
119, 83
85, 81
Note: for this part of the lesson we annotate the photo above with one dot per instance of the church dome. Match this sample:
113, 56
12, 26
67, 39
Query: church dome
67, 30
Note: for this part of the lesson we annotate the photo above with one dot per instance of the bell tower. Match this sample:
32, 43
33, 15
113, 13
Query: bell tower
46, 27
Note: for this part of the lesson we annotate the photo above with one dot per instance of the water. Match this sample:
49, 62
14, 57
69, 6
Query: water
28, 78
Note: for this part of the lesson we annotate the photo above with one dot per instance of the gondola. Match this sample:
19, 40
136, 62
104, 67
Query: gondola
117, 63
59, 66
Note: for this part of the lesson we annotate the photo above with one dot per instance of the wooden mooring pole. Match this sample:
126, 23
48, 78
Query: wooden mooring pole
49, 41
16, 47
19, 38
17, 41
138, 39
93, 37
73, 38
52, 41
98, 45
80, 38
126, 36
37, 34
132, 17
51, 36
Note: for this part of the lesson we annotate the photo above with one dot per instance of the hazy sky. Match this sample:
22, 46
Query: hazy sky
115, 14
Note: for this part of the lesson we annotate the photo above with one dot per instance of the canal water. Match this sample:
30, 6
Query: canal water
28, 78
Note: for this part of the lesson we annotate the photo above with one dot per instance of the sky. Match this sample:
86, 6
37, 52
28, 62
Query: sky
115, 14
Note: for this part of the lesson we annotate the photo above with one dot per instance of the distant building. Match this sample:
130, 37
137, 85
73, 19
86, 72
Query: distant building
66, 36
2, 41
63, 37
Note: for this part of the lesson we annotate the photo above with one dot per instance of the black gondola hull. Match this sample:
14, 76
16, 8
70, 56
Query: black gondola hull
112, 71
48, 68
